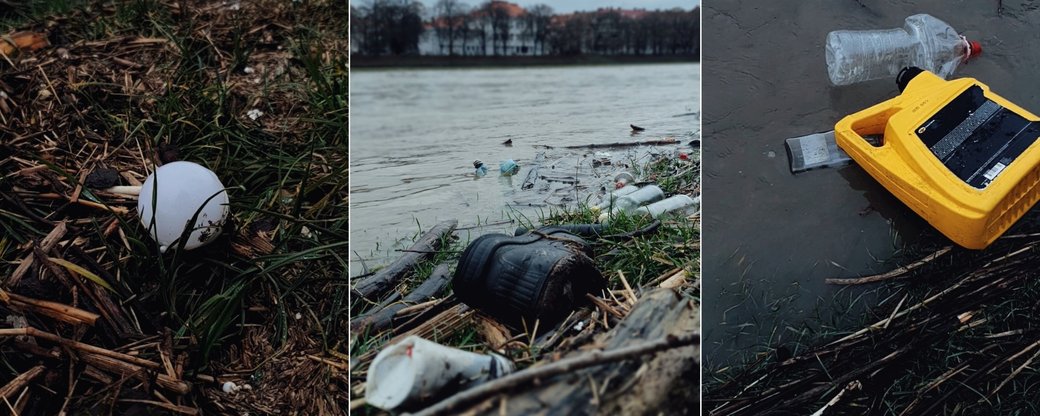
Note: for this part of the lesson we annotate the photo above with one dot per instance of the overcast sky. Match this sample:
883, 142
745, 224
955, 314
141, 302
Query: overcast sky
567, 6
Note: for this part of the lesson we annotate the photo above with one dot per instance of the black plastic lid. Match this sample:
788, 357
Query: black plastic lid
905, 75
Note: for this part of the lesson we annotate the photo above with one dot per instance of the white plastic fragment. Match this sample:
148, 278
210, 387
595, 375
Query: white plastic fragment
415, 369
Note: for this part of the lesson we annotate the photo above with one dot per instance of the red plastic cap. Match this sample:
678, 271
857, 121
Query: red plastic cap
976, 48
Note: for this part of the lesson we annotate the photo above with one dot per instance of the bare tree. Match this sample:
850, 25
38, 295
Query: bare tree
481, 24
448, 23
537, 25
497, 19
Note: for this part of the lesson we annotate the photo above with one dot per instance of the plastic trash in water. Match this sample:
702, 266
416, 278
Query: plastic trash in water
415, 369
622, 179
814, 151
645, 195
818, 150
923, 41
676, 204
179, 190
479, 168
508, 167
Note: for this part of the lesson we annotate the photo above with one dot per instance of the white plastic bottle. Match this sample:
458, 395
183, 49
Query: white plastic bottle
924, 41
675, 203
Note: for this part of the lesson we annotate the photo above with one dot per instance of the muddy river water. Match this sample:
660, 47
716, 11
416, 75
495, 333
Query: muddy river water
415, 133
770, 238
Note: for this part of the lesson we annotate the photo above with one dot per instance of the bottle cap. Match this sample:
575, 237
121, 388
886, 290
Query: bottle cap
976, 48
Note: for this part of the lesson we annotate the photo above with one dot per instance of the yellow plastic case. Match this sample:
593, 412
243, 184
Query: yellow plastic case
962, 157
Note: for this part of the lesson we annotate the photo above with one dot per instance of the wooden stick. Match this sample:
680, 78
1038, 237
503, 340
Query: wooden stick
36, 333
567, 365
630, 294
8, 391
603, 305
389, 276
894, 273
675, 281
125, 369
417, 307
380, 319
46, 245
59, 311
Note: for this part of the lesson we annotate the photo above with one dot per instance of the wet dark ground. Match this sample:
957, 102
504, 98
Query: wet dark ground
770, 238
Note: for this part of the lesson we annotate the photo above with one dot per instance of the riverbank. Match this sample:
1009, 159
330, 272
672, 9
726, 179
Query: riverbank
416, 61
651, 273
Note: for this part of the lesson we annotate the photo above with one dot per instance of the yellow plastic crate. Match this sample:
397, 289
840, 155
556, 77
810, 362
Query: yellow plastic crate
962, 157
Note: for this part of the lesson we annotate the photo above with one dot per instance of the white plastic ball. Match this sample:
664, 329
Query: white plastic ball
178, 190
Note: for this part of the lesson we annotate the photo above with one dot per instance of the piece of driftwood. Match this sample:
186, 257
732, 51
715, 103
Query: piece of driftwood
372, 286
625, 144
532, 175
381, 319
608, 381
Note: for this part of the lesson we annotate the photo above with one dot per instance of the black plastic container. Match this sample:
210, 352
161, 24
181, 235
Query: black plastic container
541, 275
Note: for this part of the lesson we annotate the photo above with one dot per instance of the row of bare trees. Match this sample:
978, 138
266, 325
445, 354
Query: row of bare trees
395, 27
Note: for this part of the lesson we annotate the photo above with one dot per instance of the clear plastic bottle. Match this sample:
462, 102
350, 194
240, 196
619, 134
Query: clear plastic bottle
645, 195
609, 198
924, 41
675, 203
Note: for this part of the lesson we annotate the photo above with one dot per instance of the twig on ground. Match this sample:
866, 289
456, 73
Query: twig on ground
566, 365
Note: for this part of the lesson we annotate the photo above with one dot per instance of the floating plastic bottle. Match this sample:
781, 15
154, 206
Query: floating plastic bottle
479, 168
645, 195
923, 41
508, 167
416, 369
674, 204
